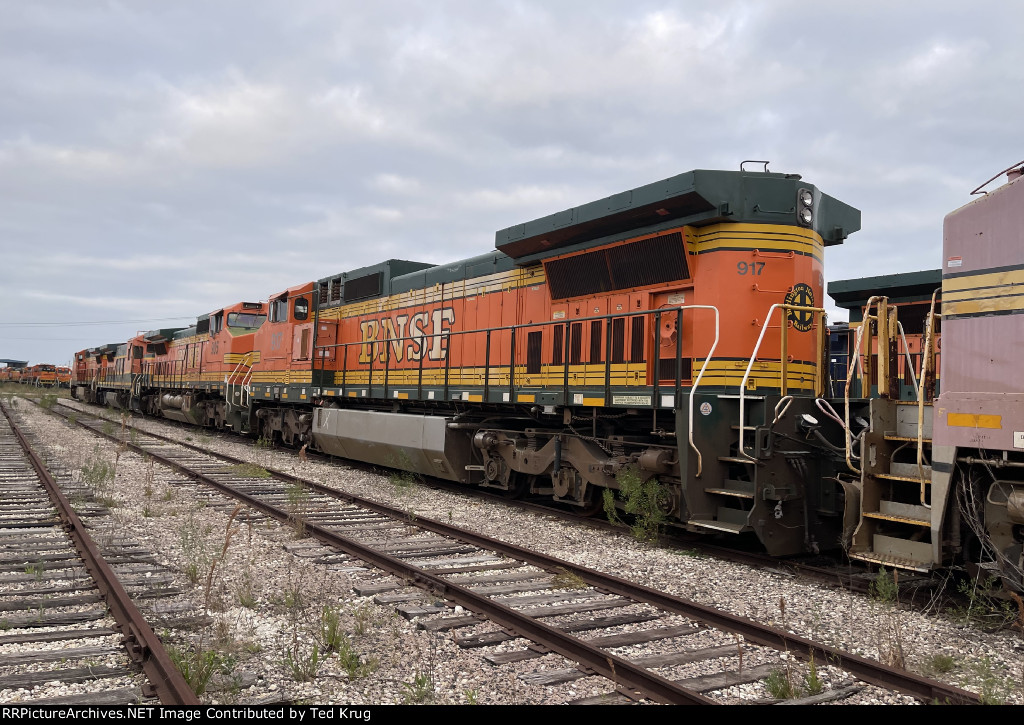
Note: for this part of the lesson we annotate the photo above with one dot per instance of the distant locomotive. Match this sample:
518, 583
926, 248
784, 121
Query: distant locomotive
675, 330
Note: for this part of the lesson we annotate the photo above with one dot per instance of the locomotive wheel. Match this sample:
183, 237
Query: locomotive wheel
519, 485
593, 502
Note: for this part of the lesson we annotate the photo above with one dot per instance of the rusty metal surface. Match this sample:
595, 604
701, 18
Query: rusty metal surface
143, 646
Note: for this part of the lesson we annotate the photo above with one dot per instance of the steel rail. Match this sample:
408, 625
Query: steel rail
622, 672
869, 671
143, 646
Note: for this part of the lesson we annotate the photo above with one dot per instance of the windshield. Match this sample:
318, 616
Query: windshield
246, 320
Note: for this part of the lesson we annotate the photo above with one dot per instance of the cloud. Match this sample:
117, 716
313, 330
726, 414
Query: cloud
207, 155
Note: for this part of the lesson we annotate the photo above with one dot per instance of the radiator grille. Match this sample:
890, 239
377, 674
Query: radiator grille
645, 262
363, 287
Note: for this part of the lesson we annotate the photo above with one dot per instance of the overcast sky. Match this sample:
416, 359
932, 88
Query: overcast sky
161, 159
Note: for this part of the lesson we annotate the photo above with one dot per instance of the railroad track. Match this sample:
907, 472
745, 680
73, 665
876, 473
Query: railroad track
525, 605
71, 632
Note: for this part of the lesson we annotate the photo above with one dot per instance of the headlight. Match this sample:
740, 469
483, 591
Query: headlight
806, 216
806, 198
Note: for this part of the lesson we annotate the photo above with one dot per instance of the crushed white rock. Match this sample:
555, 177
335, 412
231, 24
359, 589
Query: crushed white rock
266, 602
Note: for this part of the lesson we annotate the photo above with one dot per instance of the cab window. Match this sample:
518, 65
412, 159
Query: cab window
279, 309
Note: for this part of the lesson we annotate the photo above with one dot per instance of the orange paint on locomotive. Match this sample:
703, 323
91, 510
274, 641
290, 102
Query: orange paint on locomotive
285, 340
446, 326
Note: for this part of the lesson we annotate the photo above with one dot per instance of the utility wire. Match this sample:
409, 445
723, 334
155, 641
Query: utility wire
93, 322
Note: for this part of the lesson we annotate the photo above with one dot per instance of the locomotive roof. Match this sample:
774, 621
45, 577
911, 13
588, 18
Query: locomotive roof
852, 294
161, 335
697, 198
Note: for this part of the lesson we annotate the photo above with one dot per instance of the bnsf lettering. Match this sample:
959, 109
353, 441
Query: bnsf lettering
407, 338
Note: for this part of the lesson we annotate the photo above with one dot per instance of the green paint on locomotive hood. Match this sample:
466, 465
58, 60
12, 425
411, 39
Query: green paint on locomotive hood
696, 198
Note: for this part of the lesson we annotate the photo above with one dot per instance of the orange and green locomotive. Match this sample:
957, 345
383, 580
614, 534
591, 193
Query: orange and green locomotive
673, 331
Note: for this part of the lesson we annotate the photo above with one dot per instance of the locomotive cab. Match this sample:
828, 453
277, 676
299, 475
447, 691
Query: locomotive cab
282, 372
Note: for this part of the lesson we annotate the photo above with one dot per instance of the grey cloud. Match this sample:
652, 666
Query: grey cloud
201, 153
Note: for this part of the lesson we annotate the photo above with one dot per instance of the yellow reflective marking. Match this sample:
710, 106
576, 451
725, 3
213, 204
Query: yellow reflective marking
992, 279
996, 304
974, 420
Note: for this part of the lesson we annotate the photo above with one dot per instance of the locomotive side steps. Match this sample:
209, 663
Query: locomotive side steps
895, 528
731, 495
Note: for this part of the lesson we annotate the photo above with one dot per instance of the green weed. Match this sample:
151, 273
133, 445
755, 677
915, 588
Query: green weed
420, 690
332, 636
194, 548
886, 592
249, 470
293, 598
941, 664
97, 473
303, 663
780, 685
689, 552
402, 476
884, 587
643, 499
984, 605
994, 683
812, 682
364, 617
566, 579
196, 665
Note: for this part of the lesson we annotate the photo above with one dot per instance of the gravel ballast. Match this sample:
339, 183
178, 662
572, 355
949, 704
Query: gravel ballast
265, 596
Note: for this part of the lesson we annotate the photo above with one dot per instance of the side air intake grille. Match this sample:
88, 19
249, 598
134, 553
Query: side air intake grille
363, 287
649, 261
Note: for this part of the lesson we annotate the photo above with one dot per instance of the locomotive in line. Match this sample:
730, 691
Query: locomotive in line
675, 330
42, 375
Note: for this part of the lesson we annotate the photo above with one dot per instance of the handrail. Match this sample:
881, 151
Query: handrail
448, 334
228, 379
929, 334
910, 362
865, 321
783, 368
696, 382
422, 339
246, 388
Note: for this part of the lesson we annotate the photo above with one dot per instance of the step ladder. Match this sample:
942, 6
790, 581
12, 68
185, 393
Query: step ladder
896, 519
729, 496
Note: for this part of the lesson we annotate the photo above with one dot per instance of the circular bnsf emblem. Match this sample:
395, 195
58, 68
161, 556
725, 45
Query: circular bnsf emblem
801, 296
